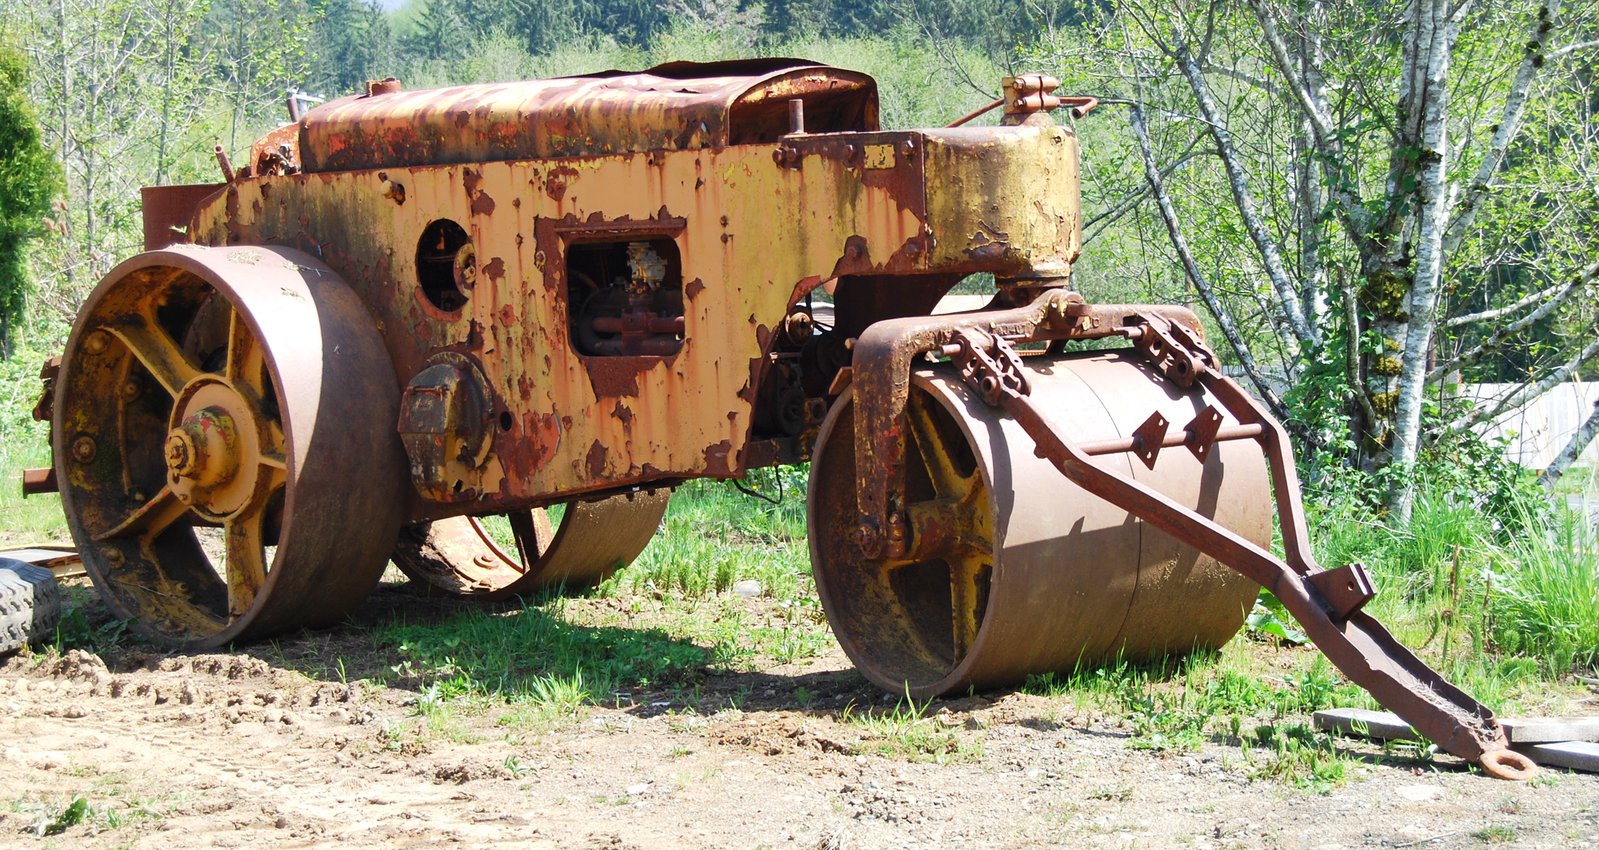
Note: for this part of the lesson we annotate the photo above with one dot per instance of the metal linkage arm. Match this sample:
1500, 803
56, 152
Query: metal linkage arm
1326, 603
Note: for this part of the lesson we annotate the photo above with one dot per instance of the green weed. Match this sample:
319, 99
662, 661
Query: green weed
1295, 754
906, 732
1546, 601
71, 815
1495, 834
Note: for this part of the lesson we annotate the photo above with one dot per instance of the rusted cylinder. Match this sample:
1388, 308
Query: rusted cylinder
1048, 576
458, 556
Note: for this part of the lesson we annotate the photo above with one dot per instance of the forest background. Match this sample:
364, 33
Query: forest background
1370, 202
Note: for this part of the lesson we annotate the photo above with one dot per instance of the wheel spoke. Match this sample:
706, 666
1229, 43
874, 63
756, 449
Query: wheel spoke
163, 357
533, 534
245, 360
245, 560
946, 527
936, 455
965, 599
151, 518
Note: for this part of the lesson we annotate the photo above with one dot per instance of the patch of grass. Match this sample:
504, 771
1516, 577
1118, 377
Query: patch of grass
714, 536
1294, 753
1578, 480
1546, 601
34, 519
535, 655
1495, 834
906, 732
86, 626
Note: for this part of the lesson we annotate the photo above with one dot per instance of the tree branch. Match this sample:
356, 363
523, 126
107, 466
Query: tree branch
1562, 288
1571, 48
1238, 181
1533, 60
1305, 83
1567, 456
1527, 392
1135, 197
1174, 230
1501, 334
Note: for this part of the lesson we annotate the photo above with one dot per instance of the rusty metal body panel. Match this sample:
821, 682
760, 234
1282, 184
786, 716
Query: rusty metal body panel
683, 106
755, 227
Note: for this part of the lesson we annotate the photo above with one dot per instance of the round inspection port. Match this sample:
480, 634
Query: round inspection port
446, 264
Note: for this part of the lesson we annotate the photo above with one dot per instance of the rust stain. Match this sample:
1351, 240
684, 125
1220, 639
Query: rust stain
495, 269
612, 377
543, 436
555, 182
718, 458
596, 460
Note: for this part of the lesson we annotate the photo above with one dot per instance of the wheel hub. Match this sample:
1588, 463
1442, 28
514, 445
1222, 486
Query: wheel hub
201, 448
212, 448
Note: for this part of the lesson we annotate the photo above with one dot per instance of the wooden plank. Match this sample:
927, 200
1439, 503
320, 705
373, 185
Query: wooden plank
61, 561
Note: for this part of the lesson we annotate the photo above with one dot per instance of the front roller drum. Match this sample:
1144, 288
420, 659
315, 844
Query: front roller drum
585, 544
224, 440
1013, 570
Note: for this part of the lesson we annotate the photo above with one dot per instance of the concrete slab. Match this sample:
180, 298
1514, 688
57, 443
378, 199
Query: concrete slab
1544, 730
1364, 723
1575, 755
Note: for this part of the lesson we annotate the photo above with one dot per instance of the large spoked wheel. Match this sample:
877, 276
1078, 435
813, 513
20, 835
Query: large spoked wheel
1014, 570
224, 437
492, 558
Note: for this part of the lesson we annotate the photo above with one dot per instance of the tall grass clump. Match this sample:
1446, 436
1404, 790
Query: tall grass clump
1493, 579
1546, 600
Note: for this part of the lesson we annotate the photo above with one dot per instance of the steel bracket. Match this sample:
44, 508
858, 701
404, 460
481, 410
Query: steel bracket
1346, 589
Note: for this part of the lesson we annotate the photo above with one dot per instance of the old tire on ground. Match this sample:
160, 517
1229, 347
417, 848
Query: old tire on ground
459, 556
279, 431
30, 604
1033, 574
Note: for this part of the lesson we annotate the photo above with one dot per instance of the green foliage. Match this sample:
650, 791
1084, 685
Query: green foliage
71, 815
29, 180
907, 732
34, 519
533, 653
352, 41
1294, 753
1546, 602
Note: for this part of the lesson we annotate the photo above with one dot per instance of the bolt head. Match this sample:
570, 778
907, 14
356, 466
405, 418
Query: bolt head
83, 449
182, 456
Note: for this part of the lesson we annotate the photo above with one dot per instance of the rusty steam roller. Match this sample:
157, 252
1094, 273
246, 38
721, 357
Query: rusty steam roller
411, 311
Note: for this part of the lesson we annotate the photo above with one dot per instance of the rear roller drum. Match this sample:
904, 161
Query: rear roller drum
462, 557
1013, 569
224, 441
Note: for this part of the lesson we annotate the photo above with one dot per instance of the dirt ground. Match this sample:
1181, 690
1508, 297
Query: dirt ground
263, 747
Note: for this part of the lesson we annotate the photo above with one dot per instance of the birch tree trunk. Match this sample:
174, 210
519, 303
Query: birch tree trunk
1421, 160
1567, 456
